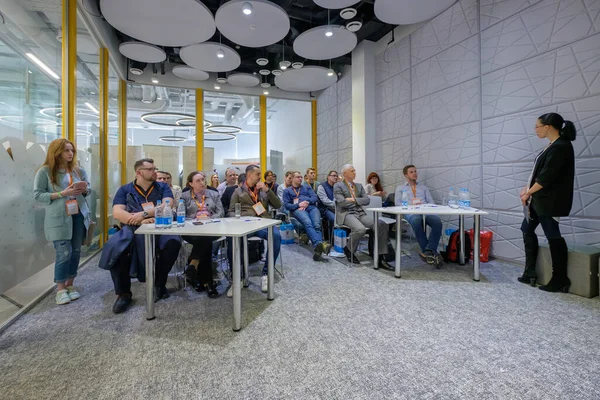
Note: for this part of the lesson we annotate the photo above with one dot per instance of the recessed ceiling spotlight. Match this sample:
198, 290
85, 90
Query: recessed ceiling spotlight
247, 8
264, 72
354, 26
265, 85
217, 86
277, 72
348, 13
221, 80
297, 65
262, 61
330, 72
136, 71
154, 80
284, 65
220, 53
266, 92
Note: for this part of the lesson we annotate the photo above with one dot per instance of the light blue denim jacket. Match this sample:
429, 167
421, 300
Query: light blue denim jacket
57, 224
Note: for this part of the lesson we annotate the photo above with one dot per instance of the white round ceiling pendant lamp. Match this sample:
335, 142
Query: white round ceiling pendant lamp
314, 45
243, 80
170, 23
307, 79
405, 12
267, 23
142, 52
204, 56
189, 73
335, 4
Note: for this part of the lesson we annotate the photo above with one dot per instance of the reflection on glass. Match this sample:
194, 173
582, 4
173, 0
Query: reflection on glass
114, 167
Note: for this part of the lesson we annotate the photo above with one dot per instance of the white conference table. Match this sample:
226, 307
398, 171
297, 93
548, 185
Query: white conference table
230, 227
432, 209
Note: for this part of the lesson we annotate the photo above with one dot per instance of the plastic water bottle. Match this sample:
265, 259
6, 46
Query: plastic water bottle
404, 198
181, 214
168, 215
158, 215
461, 198
452, 199
467, 199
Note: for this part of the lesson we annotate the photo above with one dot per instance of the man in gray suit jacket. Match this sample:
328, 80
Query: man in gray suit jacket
350, 197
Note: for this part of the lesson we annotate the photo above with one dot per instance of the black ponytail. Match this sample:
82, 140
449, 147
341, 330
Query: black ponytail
566, 129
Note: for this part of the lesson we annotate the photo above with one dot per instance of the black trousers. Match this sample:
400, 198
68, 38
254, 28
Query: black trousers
164, 262
202, 251
549, 226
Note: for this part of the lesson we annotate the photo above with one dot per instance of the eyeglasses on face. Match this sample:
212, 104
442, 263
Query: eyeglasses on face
333, 175
149, 169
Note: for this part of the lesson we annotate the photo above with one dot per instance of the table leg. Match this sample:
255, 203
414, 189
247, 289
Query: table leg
476, 245
376, 240
398, 244
461, 235
149, 255
237, 290
246, 262
271, 264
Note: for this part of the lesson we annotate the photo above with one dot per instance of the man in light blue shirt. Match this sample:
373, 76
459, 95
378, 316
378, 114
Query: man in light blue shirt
418, 193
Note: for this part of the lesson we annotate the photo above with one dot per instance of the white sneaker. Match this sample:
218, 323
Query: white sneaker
73, 294
264, 284
62, 297
230, 291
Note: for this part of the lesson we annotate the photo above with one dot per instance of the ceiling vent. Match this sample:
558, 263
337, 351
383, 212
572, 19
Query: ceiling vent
264, 72
297, 65
262, 61
354, 26
348, 13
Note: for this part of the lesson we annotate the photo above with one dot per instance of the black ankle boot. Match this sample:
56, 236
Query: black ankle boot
531, 251
560, 255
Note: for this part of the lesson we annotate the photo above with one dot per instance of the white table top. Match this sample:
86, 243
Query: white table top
429, 209
233, 227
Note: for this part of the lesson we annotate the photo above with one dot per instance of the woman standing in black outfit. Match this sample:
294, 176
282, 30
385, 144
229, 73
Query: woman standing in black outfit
547, 196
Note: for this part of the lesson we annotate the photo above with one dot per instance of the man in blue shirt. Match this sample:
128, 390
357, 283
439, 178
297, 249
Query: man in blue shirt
134, 205
301, 201
418, 193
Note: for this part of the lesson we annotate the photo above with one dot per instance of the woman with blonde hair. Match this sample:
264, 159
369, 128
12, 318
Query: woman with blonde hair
214, 180
61, 184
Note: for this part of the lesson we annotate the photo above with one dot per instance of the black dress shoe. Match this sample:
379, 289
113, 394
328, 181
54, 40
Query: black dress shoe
211, 290
351, 257
528, 279
384, 264
122, 304
557, 285
161, 292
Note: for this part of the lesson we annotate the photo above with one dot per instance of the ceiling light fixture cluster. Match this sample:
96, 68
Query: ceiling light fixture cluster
247, 8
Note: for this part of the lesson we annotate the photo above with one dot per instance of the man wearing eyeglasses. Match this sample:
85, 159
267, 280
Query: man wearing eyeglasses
326, 198
123, 254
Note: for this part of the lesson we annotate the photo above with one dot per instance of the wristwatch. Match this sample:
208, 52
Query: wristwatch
145, 214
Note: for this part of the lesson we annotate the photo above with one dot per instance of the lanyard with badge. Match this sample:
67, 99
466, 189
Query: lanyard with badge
297, 195
72, 207
351, 188
258, 207
415, 200
148, 206
201, 212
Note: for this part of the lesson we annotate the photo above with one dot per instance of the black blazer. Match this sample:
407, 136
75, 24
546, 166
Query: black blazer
555, 171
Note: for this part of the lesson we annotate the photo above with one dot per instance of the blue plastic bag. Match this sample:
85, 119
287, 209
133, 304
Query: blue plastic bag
340, 240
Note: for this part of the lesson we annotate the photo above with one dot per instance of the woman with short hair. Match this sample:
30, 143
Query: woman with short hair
61, 184
547, 197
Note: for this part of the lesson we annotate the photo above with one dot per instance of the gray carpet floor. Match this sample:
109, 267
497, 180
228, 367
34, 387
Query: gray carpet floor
332, 332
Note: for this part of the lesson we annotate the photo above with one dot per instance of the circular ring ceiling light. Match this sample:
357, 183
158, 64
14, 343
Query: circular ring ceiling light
83, 132
158, 118
18, 119
218, 137
191, 122
224, 129
172, 138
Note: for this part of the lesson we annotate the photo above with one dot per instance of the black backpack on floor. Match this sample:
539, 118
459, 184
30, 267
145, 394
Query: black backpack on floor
451, 253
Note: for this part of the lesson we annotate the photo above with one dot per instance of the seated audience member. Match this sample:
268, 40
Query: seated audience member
275, 180
163, 176
201, 203
419, 194
374, 188
350, 197
255, 198
326, 198
214, 181
230, 180
298, 227
270, 181
301, 201
226, 197
310, 179
123, 254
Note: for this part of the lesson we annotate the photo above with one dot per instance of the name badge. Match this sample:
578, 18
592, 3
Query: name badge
295, 201
259, 208
148, 207
72, 207
416, 201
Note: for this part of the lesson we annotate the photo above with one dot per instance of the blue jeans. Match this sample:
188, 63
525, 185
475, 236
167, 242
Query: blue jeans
264, 234
433, 221
329, 215
311, 219
68, 252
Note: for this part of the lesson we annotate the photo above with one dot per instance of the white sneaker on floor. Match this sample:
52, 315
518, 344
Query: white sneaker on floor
264, 284
62, 297
73, 294
230, 290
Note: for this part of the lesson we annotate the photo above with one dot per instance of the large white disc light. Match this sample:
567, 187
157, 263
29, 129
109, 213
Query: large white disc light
336, 4
313, 43
243, 80
189, 73
404, 12
142, 52
268, 23
165, 23
203, 56
307, 79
